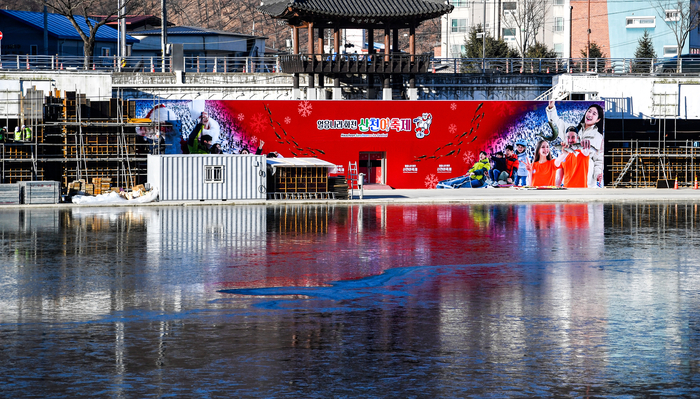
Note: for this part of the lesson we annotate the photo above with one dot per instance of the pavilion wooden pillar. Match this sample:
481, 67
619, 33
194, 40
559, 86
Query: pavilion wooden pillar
311, 91
295, 49
386, 87
370, 57
395, 41
396, 78
321, 76
412, 91
337, 93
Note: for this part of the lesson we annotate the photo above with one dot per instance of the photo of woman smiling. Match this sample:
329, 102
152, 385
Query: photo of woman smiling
542, 170
590, 137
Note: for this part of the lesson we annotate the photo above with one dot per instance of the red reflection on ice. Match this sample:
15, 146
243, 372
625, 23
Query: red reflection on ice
307, 249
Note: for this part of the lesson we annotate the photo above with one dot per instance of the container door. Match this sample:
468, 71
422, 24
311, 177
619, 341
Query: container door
372, 164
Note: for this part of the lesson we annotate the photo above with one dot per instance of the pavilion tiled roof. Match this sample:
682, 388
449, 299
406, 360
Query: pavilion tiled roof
355, 9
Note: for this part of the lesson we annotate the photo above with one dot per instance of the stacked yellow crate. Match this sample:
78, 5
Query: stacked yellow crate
96, 185
106, 184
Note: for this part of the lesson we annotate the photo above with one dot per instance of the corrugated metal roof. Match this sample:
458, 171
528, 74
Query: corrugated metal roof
388, 9
192, 30
60, 26
131, 19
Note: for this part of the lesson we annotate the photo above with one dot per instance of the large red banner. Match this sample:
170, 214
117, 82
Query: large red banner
403, 144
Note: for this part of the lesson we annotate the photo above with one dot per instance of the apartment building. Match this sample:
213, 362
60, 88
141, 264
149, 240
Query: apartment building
504, 19
568, 26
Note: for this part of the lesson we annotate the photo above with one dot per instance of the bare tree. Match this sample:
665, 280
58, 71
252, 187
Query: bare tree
240, 16
681, 17
527, 18
81, 9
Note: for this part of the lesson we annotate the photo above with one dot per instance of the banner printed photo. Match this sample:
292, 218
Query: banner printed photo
407, 144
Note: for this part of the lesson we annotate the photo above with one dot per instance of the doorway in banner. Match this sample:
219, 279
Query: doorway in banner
372, 164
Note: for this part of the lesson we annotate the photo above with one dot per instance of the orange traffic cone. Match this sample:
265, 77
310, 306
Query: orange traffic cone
61, 66
695, 185
675, 184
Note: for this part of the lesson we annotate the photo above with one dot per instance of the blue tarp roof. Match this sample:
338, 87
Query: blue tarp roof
60, 27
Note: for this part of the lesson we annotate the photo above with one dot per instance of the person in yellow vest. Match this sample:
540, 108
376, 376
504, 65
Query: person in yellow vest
18, 134
27, 132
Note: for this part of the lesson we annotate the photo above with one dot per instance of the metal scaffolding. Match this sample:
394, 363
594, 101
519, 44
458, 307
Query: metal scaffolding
76, 139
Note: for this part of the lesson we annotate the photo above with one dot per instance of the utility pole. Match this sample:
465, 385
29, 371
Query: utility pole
121, 24
588, 45
498, 24
571, 27
46, 30
447, 38
163, 32
483, 41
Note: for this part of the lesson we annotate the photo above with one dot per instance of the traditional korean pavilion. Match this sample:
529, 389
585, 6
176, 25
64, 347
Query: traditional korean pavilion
316, 16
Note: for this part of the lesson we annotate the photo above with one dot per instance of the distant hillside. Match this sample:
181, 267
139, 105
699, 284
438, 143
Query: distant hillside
229, 15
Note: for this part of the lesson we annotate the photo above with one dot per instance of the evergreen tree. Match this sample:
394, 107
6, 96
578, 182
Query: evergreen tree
495, 48
539, 50
643, 55
547, 59
594, 52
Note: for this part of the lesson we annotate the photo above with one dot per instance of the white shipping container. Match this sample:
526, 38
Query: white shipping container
208, 177
40, 192
9, 194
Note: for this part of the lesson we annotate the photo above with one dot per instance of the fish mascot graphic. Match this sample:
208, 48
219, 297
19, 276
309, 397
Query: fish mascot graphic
423, 125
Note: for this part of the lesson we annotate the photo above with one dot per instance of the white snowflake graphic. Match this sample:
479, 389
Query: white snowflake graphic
468, 157
453, 106
241, 117
452, 129
431, 181
287, 120
258, 123
305, 108
254, 140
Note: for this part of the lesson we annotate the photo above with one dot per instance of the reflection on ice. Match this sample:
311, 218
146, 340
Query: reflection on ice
525, 300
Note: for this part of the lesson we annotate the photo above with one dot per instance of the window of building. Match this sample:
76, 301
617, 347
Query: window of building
641, 22
559, 24
459, 26
508, 31
213, 173
558, 2
509, 6
460, 3
559, 49
33, 49
104, 51
672, 15
456, 50
670, 51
